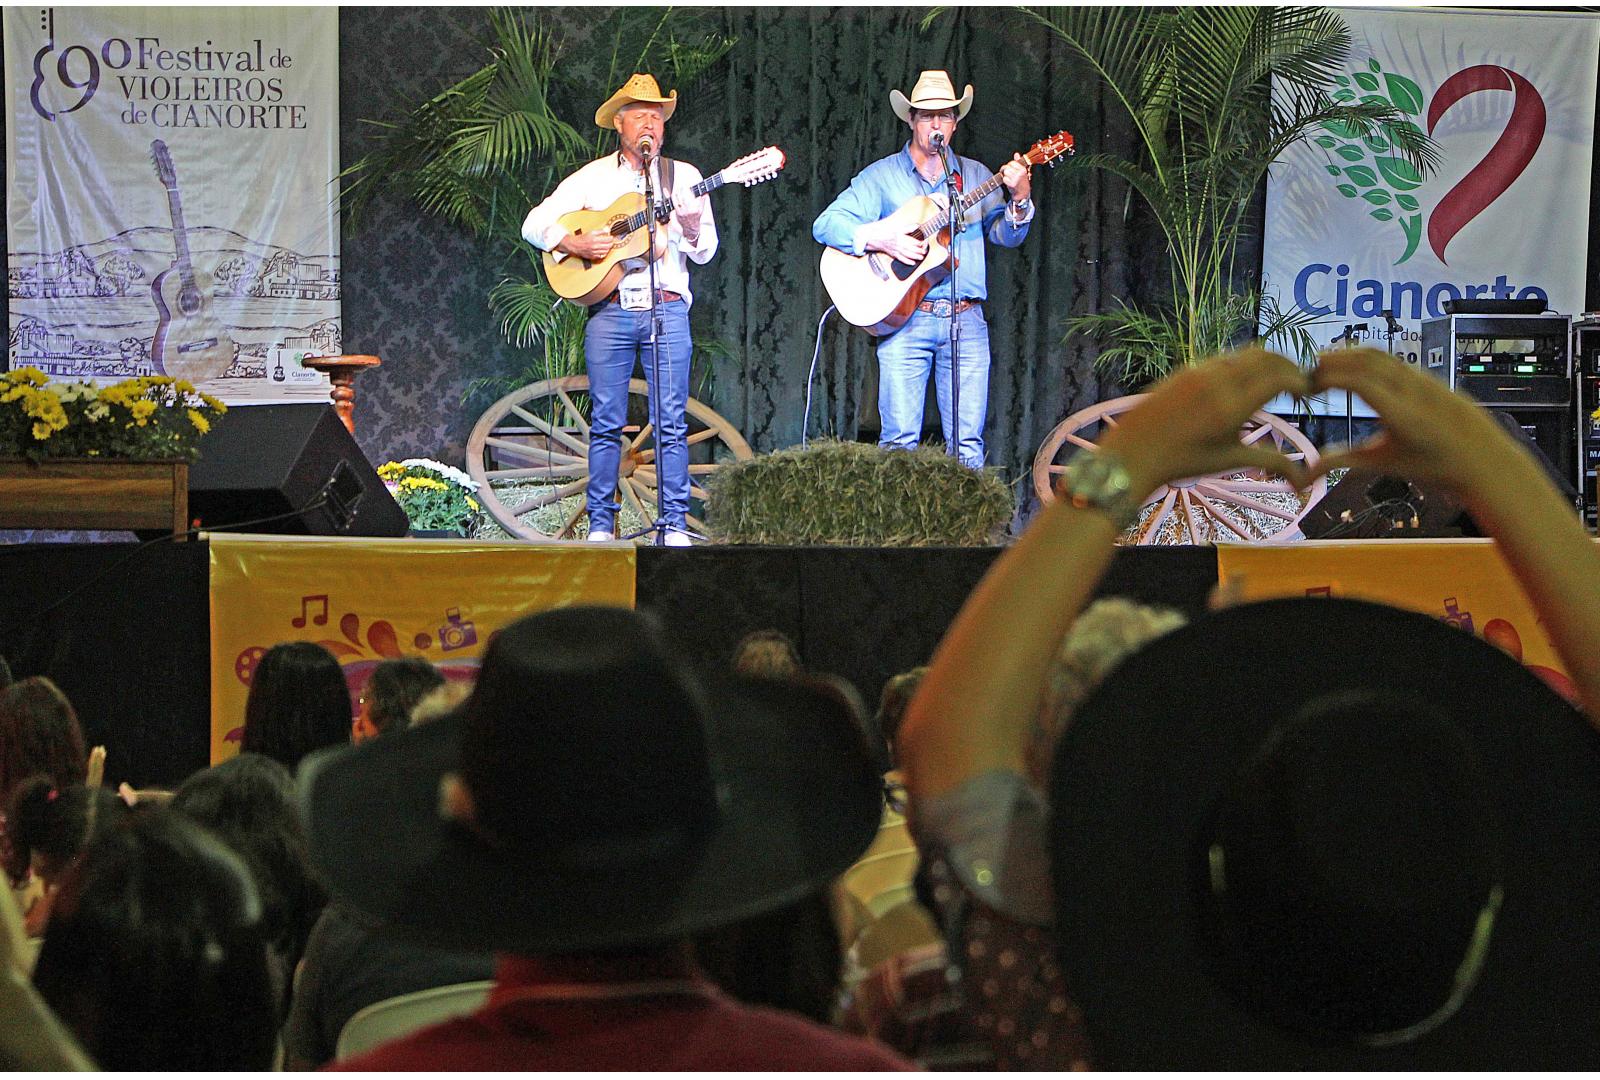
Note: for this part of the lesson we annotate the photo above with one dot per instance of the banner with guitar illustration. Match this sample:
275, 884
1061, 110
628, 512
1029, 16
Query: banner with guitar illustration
367, 601
1353, 230
168, 199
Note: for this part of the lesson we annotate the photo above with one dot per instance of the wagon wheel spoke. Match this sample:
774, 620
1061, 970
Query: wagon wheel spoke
545, 498
1190, 514
1256, 435
1153, 524
696, 524
697, 492
1244, 500
1216, 514
571, 523
703, 470
543, 472
551, 430
644, 433
532, 453
1109, 420
636, 495
572, 409
1279, 487
1079, 440
701, 436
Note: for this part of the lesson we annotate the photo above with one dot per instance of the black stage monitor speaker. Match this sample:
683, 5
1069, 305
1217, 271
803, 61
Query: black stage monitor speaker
298, 461
1369, 506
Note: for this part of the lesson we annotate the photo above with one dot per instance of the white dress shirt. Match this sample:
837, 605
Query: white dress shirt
602, 182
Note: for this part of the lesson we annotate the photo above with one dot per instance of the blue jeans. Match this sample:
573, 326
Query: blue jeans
904, 360
614, 341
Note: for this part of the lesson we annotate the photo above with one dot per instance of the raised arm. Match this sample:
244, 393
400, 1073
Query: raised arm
973, 710
1432, 433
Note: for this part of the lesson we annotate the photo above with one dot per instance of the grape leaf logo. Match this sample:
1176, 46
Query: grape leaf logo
1371, 169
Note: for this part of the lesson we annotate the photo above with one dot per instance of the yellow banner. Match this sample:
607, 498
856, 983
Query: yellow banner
1462, 582
367, 601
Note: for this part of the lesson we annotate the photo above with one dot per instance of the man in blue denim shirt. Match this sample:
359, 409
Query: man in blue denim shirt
852, 224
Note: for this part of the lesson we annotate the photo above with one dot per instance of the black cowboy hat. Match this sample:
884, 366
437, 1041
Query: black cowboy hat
619, 802
1327, 834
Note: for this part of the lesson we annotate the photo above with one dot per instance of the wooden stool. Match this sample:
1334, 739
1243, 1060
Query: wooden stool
342, 372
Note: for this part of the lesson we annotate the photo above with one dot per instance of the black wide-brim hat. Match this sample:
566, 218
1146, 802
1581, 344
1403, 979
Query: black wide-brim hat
791, 800
1151, 753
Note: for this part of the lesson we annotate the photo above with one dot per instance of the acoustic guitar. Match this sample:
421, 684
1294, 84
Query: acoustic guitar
878, 292
584, 281
189, 343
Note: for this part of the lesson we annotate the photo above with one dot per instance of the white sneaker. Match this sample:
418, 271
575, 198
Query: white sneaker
677, 538
600, 536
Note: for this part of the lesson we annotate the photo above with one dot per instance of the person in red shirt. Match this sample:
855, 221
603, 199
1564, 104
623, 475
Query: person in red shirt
588, 810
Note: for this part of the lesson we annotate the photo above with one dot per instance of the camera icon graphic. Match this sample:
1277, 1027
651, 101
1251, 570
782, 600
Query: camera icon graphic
457, 633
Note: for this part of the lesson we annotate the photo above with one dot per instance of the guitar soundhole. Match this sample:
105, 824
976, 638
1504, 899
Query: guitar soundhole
189, 301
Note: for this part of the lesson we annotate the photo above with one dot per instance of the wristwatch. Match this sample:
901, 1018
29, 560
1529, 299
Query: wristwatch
1098, 480
1022, 206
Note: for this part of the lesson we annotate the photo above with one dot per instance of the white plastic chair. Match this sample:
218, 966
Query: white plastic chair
383, 1021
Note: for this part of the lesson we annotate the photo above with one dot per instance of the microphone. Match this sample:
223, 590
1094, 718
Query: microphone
647, 147
938, 141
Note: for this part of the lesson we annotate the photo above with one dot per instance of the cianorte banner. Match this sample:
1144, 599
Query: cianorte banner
1354, 231
168, 201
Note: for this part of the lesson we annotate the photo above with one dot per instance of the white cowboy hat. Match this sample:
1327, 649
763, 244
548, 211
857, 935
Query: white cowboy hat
934, 90
638, 88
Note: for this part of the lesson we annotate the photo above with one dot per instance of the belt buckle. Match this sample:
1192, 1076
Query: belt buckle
941, 309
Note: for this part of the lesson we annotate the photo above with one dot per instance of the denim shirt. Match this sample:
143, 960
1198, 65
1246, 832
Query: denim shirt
887, 184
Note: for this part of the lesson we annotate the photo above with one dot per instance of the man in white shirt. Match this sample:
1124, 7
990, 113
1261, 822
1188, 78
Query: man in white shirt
618, 334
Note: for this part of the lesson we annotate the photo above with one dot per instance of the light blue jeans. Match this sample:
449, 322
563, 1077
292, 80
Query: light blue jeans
904, 360
614, 341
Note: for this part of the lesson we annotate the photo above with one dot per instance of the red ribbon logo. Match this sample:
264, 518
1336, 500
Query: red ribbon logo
1505, 160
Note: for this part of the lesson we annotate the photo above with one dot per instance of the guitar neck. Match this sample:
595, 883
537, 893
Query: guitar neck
180, 237
637, 221
933, 225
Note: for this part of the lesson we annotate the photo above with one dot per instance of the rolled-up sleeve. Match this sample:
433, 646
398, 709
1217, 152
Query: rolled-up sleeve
705, 245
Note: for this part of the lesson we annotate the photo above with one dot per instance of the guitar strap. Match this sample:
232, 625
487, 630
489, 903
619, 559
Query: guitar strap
666, 177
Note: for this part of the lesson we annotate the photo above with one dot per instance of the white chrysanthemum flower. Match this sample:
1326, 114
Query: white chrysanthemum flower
448, 471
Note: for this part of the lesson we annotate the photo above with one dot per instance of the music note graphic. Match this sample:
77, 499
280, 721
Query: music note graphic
299, 621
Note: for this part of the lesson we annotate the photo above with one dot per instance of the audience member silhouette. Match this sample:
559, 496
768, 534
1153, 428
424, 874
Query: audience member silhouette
299, 702
393, 689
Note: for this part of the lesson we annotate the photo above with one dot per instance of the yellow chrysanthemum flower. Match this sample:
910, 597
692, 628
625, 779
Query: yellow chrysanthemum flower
201, 424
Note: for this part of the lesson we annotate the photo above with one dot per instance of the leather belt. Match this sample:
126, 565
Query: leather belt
663, 296
944, 309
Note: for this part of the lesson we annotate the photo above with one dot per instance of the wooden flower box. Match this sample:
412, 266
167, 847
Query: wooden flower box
87, 493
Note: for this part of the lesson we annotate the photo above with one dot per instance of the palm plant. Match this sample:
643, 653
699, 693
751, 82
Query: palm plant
1197, 83
484, 149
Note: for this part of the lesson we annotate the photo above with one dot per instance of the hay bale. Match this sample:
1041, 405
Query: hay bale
853, 494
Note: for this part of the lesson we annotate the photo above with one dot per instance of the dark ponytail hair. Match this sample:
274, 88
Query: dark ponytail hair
57, 822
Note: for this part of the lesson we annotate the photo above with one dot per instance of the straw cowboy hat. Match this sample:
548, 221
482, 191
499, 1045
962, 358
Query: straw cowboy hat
618, 800
1378, 851
638, 88
934, 90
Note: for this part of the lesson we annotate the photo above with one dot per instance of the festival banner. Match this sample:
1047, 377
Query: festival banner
367, 601
168, 199
1353, 230
1462, 582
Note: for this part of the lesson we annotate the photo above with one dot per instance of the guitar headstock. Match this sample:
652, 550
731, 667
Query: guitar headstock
163, 163
1049, 149
756, 168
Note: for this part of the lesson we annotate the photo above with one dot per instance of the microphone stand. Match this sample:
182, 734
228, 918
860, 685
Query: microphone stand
953, 196
1349, 337
658, 528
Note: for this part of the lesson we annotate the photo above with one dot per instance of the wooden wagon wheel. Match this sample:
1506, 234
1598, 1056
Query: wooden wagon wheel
1240, 507
529, 453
